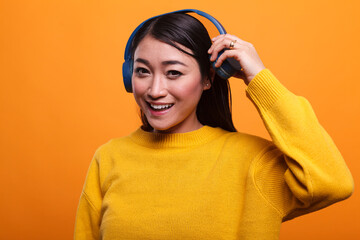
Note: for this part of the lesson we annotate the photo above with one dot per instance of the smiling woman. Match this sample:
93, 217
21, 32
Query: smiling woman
184, 37
186, 173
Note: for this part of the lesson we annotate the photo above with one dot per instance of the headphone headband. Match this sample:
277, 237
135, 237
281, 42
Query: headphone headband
127, 54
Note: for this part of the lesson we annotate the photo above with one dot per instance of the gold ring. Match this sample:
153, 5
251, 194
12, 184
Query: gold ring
232, 43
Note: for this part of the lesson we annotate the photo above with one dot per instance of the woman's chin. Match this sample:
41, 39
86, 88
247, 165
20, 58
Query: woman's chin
163, 129
179, 128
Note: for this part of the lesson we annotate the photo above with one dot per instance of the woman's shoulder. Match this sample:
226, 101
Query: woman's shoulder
240, 141
114, 144
245, 138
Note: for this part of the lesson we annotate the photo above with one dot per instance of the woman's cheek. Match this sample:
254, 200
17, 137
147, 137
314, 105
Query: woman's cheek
139, 89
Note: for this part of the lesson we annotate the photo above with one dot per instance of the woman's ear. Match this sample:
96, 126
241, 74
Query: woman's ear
209, 80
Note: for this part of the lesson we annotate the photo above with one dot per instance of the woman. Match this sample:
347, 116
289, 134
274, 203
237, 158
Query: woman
186, 173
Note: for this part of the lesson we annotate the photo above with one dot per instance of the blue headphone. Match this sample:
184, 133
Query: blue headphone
226, 70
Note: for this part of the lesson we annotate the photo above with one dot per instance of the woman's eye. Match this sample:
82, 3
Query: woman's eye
174, 74
141, 72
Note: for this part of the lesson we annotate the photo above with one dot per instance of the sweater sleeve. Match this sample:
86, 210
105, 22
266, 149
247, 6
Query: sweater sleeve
304, 171
88, 218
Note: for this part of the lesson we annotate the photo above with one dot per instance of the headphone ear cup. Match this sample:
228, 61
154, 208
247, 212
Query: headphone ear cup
127, 70
228, 68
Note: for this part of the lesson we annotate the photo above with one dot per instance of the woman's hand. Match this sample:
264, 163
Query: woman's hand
240, 50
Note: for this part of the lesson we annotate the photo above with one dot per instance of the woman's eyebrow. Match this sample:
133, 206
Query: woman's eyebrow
173, 62
141, 60
165, 63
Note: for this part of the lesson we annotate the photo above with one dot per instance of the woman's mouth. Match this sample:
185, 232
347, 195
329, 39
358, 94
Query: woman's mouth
159, 107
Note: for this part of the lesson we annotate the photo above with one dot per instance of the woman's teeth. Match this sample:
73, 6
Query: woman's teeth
161, 107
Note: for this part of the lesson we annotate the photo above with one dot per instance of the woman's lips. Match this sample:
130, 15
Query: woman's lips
158, 109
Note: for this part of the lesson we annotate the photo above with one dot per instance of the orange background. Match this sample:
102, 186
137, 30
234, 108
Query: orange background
61, 96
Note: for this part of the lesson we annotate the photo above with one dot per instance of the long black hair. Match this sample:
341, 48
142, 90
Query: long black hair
214, 107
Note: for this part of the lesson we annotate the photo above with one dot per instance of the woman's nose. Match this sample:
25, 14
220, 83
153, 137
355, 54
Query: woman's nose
158, 88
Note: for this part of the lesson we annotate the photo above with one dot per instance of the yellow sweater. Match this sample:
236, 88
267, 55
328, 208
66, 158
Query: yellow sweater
214, 184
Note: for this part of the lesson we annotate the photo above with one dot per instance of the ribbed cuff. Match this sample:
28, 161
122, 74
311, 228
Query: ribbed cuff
264, 90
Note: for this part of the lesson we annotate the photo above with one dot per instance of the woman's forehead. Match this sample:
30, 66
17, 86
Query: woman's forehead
151, 48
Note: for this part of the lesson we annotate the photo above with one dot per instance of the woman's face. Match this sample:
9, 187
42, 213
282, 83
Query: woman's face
167, 85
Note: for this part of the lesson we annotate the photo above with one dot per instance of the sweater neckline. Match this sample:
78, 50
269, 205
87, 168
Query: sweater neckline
160, 140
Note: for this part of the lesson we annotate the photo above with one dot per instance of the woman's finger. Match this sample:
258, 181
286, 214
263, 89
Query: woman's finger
217, 40
223, 37
248, 60
226, 44
223, 42
225, 55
